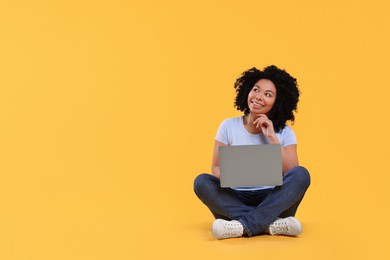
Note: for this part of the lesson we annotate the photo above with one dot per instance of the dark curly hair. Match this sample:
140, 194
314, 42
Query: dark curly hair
287, 93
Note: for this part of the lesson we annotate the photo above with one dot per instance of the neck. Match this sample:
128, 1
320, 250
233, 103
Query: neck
250, 127
249, 119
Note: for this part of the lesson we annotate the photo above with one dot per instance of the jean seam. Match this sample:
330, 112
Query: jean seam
245, 227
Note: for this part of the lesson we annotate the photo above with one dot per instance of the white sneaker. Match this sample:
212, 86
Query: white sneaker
225, 229
286, 226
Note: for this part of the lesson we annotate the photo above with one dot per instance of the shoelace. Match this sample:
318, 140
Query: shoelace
281, 227
231, 228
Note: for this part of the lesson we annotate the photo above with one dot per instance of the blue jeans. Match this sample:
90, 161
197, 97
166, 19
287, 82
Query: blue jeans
255, 210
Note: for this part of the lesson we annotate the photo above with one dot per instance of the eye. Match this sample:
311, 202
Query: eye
268, 94
256, 90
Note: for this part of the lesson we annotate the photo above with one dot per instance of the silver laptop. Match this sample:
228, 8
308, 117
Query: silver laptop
251, 165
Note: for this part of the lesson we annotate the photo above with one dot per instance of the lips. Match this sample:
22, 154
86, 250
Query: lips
257, 105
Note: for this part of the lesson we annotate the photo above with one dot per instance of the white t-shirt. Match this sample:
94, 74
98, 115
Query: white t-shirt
233, 132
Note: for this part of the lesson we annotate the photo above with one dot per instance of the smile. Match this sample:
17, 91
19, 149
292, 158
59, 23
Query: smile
257, 104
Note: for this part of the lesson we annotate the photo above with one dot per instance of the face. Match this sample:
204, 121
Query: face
262, 97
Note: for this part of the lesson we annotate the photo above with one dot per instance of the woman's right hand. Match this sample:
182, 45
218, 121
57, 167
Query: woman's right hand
215, 162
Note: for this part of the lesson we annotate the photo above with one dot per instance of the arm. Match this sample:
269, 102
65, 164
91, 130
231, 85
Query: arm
215, 161
289, 152
289, 157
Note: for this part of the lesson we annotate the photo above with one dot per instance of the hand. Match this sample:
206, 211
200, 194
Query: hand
267, 127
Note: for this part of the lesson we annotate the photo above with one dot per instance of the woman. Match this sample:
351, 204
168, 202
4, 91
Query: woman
268, 99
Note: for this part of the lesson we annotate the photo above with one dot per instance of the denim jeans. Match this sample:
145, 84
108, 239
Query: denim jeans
255, 210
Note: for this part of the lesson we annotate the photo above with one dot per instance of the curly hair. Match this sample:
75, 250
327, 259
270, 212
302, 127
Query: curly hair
287, 96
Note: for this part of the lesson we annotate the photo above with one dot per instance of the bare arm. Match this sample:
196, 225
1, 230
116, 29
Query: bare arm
289, 152
215, 161
289, 157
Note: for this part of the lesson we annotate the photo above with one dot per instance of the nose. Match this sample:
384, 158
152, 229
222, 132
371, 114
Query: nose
259, 96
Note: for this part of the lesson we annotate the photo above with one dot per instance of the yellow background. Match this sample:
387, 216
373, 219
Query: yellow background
108, 111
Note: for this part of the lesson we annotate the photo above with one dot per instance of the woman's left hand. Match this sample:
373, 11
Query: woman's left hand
267, 127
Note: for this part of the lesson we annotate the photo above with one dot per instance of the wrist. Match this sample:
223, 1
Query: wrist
274, 139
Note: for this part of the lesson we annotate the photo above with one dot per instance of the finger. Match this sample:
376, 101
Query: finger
259, 121
264, 121
264, 126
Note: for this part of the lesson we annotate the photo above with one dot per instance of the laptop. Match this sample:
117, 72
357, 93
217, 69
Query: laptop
251, 165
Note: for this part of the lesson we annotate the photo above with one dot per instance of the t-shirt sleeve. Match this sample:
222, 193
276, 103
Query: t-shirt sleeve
289, 137
222, 133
